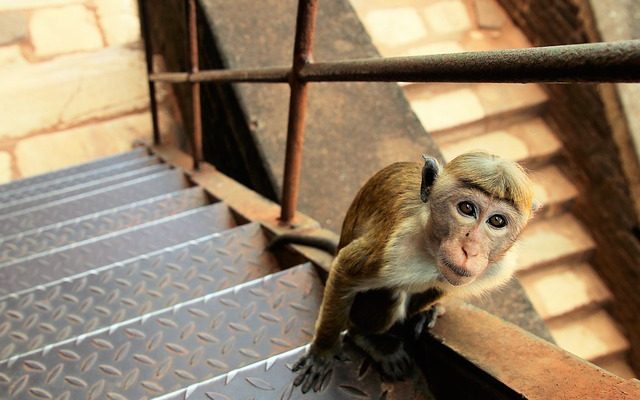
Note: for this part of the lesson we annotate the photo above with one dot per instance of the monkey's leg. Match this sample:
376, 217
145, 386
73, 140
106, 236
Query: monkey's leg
340, 290
387, 352
374, 330
416, 324
423, 311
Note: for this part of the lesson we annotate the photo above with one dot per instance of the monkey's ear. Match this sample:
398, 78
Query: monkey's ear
430, 171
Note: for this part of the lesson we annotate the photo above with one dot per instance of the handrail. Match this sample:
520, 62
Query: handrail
591, 62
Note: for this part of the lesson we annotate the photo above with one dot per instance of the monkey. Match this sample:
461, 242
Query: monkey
413, 235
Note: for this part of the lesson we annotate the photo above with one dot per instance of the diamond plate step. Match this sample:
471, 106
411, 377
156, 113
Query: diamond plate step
126, 290
74, 170
67, 181
54, 195
272, 379
24, 244
92, 202
168, 350
80, 257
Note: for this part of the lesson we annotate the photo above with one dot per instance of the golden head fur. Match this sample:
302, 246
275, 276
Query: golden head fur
495, 176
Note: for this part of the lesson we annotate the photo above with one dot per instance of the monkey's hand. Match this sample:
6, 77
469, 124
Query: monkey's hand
313, 368
417, 323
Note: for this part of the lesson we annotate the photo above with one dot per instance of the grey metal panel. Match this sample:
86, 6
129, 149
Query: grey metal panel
48, 197
126, 290
66, 182
91, 202
165, 351
24, 244
80, 257
74, 170
272, 378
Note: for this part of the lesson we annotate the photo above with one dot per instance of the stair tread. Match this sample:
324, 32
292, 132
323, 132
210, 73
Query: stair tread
38, 189
193, 341
483, 107
272, 378
591, 336
73, 189
126, 290
80, 257
47, 238
553, 190
521, 142
553, 240
75, 170
563, 289
92, 202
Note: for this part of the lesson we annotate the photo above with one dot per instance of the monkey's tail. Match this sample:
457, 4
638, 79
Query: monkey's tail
317, 242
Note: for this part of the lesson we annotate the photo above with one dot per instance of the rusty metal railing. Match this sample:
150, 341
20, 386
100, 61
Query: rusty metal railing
594, 62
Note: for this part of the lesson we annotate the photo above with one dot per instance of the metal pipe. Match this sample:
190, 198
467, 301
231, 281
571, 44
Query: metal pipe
148, 55
592, 62
196, 137
305, 28
258, 75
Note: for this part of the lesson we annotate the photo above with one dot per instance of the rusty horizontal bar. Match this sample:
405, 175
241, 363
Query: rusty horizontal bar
257, 75
592, 62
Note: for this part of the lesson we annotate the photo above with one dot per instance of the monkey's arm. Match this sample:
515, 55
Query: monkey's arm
340, 291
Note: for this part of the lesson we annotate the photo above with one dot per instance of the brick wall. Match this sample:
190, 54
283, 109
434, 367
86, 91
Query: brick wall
587, 118
72, 83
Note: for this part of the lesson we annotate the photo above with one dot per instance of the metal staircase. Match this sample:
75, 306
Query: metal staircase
120, 279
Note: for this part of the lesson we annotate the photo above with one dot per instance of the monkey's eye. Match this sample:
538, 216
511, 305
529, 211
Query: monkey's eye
497, 221
467, 208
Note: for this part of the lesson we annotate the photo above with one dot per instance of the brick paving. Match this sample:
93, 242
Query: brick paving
72, 84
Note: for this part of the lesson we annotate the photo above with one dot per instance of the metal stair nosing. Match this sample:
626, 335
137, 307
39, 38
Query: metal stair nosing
74, 170
354, 378
94, 201
46, 238
122, 291
51, 196
163, 351
63, 182
118, 246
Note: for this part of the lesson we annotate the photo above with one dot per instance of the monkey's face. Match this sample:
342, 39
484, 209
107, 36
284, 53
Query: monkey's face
471, 231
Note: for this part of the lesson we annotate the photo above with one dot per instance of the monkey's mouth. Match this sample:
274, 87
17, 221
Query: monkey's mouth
455, 269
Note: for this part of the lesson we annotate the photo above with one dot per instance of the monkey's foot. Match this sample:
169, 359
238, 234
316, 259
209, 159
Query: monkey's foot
388, 354
314, 368
416, 324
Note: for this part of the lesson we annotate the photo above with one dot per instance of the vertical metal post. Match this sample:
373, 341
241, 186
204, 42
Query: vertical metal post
194, 59
305, 28
148, 53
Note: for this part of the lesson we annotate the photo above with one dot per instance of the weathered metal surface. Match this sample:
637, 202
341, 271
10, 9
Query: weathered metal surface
148, 52
35, 241
165, 351
194, 64
593, 62
302, 54
72, 171
92, 202
272, 378
73, 189
524, 363
65, 182
80, 257
123, 291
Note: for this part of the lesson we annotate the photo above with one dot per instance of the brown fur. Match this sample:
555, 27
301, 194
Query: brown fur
397, 254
